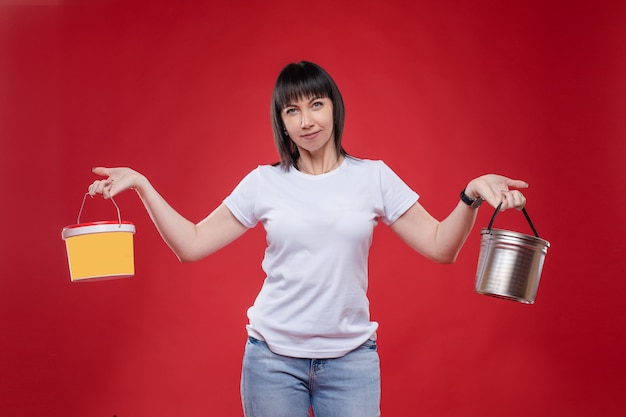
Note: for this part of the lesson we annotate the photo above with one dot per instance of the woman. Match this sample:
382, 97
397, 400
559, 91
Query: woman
311, 343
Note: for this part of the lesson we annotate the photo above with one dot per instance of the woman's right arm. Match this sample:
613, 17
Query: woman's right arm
189, 241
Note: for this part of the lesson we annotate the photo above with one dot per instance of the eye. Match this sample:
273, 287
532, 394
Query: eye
317, 104
290, 110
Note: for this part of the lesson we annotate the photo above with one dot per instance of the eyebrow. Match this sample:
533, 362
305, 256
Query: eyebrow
312, 99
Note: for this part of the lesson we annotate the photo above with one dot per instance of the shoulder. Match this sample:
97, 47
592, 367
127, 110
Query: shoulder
262, 170
366, 165
363, 162
273, 171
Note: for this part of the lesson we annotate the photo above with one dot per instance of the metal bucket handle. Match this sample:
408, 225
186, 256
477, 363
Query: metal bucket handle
119, 216
525, 215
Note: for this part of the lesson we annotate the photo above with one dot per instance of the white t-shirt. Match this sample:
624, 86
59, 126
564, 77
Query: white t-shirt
313, 303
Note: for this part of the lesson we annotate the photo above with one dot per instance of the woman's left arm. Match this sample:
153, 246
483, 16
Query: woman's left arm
442, 241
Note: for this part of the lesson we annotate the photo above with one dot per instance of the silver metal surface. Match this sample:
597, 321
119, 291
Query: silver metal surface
510, 265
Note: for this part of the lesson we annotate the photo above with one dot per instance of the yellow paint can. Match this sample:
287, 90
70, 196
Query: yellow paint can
100, 250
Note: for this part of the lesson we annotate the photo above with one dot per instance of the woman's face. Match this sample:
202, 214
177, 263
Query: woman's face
309, 123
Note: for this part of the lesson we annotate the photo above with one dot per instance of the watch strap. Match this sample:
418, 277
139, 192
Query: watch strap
473, 203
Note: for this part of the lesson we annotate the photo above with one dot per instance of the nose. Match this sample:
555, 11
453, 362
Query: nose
306, 120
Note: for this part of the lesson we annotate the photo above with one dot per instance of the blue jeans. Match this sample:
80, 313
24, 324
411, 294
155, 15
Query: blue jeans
280, 386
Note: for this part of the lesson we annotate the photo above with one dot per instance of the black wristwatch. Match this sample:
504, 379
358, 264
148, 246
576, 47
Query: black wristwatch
473, 203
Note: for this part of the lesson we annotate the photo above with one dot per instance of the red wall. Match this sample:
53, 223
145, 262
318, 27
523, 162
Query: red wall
442, 91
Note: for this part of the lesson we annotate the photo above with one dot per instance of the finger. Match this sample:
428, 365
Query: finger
516, 183
520, 200
107, 189
504, 200
102, 171
513, 199
95, 188
510, 199
102, 187
494, 198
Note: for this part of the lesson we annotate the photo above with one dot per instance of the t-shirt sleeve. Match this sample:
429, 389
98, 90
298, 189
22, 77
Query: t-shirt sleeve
397, 196
241, 201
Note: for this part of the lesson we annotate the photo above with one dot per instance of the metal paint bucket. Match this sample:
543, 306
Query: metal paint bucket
510, 263
100, 250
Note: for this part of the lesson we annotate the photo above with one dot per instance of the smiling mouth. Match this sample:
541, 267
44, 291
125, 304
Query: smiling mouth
309, 135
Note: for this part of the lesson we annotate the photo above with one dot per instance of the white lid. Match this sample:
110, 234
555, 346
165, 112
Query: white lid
97, 227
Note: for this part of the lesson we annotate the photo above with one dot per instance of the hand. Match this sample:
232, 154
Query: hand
496, 189
118, 180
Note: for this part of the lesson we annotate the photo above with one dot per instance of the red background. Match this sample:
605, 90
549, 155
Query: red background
442, 91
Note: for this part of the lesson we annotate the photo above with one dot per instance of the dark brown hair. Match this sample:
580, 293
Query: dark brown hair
297, 81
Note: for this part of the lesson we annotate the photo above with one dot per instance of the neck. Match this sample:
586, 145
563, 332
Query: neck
313, 167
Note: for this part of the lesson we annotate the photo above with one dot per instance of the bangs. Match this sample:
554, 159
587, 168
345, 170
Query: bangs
296, 83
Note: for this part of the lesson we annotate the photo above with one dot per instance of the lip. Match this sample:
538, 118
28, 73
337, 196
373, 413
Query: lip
309, 136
